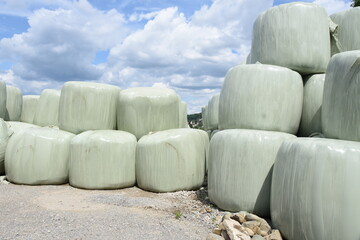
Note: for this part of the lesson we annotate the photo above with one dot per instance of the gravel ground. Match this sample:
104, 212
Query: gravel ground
64, 212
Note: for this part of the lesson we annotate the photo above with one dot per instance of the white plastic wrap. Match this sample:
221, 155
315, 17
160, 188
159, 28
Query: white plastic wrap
240, 168
347, 34
213, 112
29, 108
263, 97
340, 115
293, 35
16, 127
13, 103
2, 99
38, 156
171, 160
5, 134
314, 189
102, 159
87, 106
147, 109
183, 122
47, 111
311, 113
205, 117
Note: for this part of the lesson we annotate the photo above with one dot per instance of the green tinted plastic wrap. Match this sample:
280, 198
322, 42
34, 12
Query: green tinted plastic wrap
87, 106
102, 159
171, 160
2, 99
29, 108
37, 156
340, 115
5, 134
294, 35
147, 109
262, 97
213, 112
240, 168
314, 191
13, 103
311, 113
47, 111
347, 34
19, 126
183, 122
204, 117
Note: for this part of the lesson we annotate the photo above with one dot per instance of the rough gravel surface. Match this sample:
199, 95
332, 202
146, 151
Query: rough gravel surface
64, 212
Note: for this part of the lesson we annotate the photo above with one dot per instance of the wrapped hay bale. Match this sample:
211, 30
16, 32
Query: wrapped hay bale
340, 115
87, 106
5, 134
147, 109
102, 159
16, 127
171, 160
204, 116
314, 189
47, 111
2, 100
294, 35
29, 108
240, 168
213, 112
311, 113
183, 122
347, 34
13, 103
263, 97
38, 156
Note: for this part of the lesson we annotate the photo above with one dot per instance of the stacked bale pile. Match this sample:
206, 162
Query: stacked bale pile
29, 108
5, 134
268, 96
314, 178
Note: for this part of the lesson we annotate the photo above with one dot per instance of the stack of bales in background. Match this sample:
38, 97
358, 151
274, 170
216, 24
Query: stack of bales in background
108, 123
261, 104
13, 103
2, 99
29, 107
312, 178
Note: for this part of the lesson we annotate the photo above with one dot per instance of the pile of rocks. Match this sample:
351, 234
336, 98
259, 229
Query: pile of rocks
243, 226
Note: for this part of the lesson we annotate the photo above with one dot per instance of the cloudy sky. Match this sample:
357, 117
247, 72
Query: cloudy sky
186, 45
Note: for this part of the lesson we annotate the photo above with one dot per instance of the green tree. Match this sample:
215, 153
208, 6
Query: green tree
356, 3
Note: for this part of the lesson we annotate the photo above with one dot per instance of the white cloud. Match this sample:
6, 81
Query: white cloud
189, 54
192, 54
333, 6
61, 44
